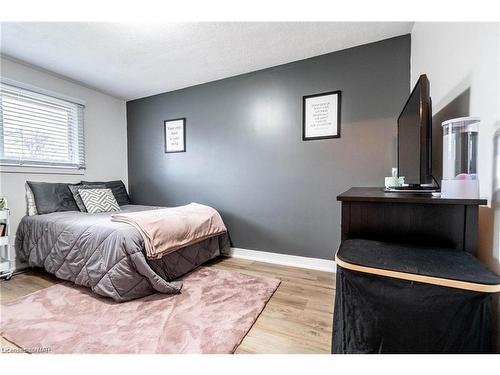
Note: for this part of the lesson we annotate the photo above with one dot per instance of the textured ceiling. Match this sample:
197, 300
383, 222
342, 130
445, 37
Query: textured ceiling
133, 60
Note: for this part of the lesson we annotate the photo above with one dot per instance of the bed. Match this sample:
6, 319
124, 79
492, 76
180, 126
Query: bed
105, 256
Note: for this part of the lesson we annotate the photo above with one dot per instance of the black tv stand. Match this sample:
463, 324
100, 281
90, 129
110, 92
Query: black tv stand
371, 213
395, 305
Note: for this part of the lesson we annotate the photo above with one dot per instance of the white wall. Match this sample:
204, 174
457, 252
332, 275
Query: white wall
105, 135
466, 56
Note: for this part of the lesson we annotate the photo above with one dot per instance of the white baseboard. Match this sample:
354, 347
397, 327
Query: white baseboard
283, 259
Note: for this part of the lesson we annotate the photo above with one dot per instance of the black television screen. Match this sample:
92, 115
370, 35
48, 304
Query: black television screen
414, 136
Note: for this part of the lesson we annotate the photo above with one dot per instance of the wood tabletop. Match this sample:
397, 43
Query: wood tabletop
377, 194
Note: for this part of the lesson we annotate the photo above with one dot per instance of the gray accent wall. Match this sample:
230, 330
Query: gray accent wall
245, 155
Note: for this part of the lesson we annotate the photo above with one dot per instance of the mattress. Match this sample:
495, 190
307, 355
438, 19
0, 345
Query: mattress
105, 256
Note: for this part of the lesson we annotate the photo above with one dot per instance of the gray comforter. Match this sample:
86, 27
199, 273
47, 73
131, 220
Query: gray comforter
106, 256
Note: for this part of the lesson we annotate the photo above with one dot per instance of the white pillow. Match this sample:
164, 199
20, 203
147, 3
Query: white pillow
30, 201
99, 200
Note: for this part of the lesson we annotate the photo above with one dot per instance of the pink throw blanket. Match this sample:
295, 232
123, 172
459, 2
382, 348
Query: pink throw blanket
166, 230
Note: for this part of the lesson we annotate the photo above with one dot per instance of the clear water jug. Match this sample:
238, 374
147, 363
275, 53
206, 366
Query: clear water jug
460, 141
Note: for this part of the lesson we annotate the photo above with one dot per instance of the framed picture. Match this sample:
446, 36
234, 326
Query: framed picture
321, 116
175, 135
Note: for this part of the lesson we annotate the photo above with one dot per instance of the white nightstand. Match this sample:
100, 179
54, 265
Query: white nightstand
5, 260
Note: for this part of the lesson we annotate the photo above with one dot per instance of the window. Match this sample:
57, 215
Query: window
39, 130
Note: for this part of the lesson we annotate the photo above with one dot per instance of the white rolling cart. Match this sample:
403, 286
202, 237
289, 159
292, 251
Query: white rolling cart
6, 268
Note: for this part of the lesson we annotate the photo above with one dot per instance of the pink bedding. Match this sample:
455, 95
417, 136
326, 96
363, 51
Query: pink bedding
166, 230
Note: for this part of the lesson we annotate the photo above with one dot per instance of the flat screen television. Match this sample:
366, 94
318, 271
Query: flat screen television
414, 137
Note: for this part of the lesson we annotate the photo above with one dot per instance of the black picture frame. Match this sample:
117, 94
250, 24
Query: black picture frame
304, 103
183, 119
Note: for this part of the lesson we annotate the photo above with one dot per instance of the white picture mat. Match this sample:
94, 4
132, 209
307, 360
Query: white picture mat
174, 136
321, 116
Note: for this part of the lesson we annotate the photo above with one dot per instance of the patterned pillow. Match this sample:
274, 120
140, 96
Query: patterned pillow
30, 201
98, 200
76, 195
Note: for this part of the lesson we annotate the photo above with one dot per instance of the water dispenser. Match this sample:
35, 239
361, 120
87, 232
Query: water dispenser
460, 137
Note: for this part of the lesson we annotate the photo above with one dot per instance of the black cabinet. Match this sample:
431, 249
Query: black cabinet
407, 277
371, 213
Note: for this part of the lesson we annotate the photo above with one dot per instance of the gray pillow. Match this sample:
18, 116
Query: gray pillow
117, 187
52, 197
76, 195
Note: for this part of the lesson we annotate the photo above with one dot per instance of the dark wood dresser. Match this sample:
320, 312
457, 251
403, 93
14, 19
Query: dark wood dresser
371, 213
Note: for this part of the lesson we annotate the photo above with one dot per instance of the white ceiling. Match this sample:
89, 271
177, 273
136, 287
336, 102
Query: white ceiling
134, 60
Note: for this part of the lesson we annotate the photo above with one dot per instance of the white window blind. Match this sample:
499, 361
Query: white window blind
38, 130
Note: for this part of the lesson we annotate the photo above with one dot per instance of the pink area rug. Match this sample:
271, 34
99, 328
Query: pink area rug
212, 314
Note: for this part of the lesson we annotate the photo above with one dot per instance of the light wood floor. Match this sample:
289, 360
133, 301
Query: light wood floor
297, 319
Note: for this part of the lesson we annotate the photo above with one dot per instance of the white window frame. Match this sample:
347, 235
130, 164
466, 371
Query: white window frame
41, 169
